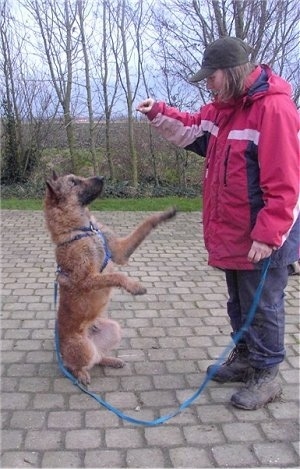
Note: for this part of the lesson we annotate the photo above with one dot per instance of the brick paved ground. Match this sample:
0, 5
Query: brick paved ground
170, 336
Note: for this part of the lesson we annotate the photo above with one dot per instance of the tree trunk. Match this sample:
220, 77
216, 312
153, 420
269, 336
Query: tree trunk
92, 137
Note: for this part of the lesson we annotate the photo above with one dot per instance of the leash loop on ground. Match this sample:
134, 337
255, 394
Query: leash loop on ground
208, 377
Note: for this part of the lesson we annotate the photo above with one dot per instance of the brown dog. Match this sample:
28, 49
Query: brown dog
86, 253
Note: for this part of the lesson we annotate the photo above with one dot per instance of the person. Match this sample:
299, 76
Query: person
248, 136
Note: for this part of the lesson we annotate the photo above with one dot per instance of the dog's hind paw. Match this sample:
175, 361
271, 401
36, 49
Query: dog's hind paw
83, 377
112, 362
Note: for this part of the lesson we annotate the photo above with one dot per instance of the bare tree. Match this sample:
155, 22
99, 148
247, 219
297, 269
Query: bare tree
108, 80
13, 138
104, 79
25, 104
56, 21
128, 19
269, 26
88, 86
150, 131
176, 94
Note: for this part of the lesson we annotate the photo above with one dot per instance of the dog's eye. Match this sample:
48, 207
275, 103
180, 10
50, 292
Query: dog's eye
74, 182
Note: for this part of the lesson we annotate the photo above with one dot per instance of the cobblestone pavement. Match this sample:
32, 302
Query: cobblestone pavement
171, 334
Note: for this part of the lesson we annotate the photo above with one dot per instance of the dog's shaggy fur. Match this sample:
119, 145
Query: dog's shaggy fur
85, 276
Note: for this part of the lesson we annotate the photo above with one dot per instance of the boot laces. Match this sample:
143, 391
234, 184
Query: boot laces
235, 353
259, 377
232, 356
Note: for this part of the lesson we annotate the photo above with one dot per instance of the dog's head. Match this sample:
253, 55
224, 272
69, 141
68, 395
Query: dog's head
71, 188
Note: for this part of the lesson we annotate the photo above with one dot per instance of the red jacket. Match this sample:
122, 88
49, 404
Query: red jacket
251, 185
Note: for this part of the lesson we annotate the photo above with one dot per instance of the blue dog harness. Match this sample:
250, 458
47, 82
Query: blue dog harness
90, 231
87, 231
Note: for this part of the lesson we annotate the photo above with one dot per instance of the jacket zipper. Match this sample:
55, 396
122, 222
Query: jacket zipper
226, 164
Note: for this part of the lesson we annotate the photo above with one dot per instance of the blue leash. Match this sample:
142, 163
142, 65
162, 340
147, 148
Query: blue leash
208, 377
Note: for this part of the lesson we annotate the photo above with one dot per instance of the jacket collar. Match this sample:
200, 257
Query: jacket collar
256, 84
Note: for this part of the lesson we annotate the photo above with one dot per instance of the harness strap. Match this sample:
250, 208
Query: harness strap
76, 238
90, 231
107, 251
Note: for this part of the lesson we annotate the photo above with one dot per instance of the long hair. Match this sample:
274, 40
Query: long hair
234, 81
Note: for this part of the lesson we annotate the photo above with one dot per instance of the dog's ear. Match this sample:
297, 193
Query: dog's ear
52, 186
51, 180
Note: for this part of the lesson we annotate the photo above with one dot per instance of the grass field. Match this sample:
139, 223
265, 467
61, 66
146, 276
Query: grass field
110, 205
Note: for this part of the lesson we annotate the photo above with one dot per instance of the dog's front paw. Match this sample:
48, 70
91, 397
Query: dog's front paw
170, 213
138, 289
119, 363
134, 287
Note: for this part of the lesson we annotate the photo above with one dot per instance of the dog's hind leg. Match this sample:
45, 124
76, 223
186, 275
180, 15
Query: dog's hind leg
79, 355
106, 335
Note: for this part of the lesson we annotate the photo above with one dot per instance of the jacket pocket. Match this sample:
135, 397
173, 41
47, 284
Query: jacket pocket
226, 165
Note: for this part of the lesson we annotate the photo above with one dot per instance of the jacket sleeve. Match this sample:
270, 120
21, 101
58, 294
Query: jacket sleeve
278, 155
180, 128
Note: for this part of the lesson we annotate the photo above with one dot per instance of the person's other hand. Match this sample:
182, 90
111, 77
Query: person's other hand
145, 106
259, 251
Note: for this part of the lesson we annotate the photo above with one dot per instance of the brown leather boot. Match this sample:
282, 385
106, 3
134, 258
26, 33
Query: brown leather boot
261, 388
235, 368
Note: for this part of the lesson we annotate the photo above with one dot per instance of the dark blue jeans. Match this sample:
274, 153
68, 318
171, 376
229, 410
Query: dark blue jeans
265, 336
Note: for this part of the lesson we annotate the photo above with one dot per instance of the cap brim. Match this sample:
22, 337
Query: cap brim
202, 74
